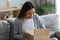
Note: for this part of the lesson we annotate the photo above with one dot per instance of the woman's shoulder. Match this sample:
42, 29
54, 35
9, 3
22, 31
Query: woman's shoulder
16, 20
37, 16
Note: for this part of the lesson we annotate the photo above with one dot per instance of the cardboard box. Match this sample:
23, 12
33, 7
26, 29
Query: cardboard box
39, 34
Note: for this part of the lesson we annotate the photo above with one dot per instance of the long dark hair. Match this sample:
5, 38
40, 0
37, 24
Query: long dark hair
27, 6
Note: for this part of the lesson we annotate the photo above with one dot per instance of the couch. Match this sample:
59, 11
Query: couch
50, 21
4, 30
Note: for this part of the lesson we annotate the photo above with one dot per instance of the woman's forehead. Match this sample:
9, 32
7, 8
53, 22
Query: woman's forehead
31, 10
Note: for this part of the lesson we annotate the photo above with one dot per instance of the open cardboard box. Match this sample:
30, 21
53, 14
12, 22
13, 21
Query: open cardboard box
39, 34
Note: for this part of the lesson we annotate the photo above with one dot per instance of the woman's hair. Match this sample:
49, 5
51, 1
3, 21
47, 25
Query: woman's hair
27, 6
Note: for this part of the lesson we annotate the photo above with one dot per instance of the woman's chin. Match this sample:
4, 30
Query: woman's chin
29, 17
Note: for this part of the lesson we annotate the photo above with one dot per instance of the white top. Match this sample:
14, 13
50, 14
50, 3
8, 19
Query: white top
28, 24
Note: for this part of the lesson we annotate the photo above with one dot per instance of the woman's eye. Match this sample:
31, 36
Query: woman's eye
29, 13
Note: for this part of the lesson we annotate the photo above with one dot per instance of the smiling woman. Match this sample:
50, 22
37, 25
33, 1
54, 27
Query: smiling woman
26, 20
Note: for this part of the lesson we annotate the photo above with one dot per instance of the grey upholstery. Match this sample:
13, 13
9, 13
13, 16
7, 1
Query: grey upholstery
54, 38
11, 21
56, 34
51, 21
4, 30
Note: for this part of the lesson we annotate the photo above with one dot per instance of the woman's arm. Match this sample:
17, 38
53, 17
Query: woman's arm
15, 31
41, 25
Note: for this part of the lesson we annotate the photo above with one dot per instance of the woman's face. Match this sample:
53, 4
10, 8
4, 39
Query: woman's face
30, 13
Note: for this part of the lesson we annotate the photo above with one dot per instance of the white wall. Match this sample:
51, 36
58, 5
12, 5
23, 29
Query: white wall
19, 3
2, 4
58, 6
13, 3
58, 10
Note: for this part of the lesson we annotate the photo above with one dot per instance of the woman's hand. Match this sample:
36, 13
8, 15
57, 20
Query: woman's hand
27, 35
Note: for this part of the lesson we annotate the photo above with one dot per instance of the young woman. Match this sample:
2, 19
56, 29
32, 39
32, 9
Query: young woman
26, 20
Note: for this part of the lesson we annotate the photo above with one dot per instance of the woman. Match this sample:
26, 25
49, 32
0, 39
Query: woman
26, 20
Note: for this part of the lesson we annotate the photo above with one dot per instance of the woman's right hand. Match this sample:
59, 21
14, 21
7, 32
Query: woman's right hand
27, 35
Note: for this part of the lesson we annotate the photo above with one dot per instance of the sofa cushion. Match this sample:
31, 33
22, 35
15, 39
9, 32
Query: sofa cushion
4, 30
51, 21
11, 20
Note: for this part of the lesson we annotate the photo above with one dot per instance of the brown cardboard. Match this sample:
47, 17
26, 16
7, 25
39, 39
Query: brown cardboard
39, 34
42, 38
31, 32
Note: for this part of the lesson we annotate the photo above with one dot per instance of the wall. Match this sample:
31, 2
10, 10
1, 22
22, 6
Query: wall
58, 10
2, 4
13, 3
37, 3
19, 3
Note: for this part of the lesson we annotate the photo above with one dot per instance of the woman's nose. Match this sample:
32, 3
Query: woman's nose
31, 15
